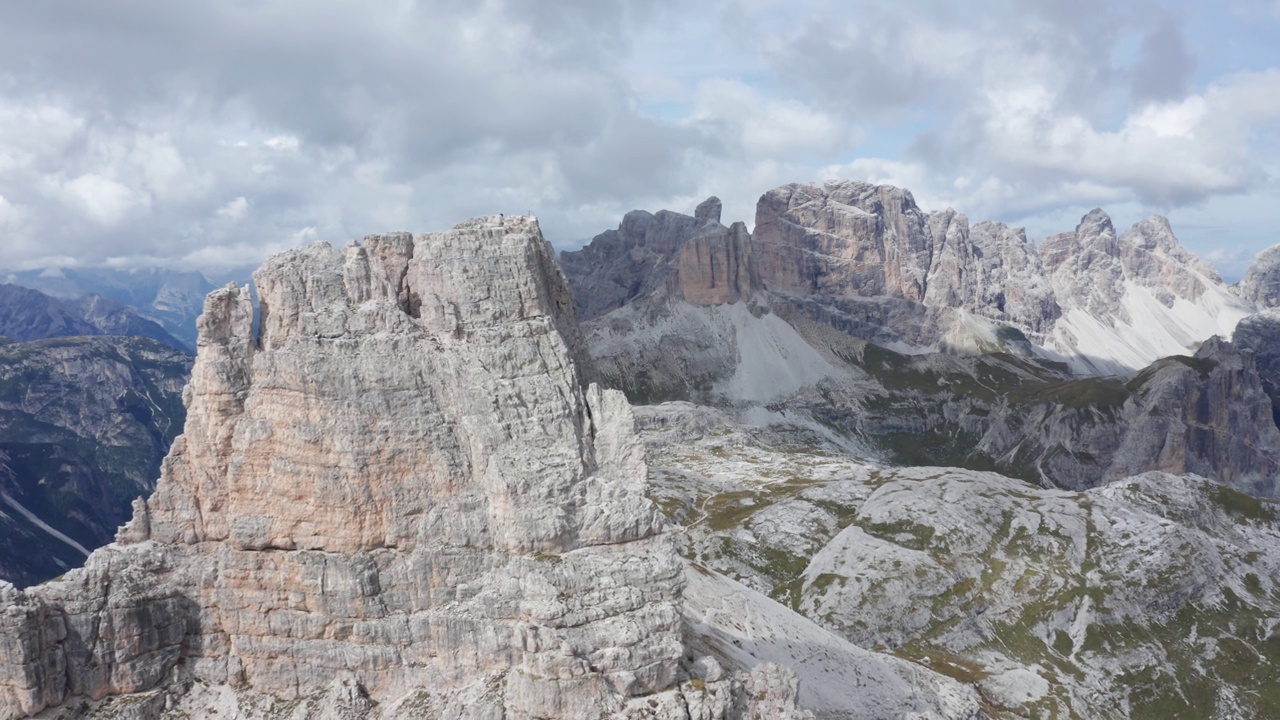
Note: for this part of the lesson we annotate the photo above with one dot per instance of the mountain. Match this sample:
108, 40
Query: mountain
399, 493
926, 341
31, 315
84, 424
868, 260
1261, 283
396, 497
947, 444
173, 299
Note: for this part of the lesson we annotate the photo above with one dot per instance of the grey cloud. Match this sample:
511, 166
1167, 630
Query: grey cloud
1164, 66
855, 65
426, 77
408, 114
859, 57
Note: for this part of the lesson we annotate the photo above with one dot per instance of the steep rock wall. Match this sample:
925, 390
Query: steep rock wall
401, 486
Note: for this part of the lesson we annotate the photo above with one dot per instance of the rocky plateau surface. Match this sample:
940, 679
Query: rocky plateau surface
1154, 596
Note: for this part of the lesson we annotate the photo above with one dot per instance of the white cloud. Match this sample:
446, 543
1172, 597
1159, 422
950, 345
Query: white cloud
767, 128
284, 143
101, 199
10, 214
438, 111
235, 210
1163, 153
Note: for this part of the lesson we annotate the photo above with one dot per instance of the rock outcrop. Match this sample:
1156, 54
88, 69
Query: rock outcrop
992, 271
1261, 283
397, 498
716, 267
1260, 335
674, 256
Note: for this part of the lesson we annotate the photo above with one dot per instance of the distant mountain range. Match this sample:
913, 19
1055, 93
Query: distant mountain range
866, 259
84, 424
169, 298
32, 315
90, 400
933, 341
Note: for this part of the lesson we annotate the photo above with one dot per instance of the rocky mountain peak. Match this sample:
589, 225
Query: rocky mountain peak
1096, 230
843, 238
481, 291
402, 485
663, 256
1153, 257
708, 210
1261, 284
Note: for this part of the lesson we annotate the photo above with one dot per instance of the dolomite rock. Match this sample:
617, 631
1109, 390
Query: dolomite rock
866, 260
991, 270
716, 267
1261, 283
1132, 299
667, 254
843, 238
1260, 335
1084, 266
401, 485
708, 210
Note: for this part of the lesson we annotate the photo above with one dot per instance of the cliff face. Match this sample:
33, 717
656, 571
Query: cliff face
843, 239
866, 259
398, 499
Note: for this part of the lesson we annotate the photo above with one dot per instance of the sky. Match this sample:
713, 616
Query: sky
207, 135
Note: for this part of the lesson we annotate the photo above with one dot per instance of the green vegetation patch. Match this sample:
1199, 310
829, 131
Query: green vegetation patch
1240, 504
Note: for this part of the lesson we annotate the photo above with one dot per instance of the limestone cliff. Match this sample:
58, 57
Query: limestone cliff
398, 498
845, 238
668, 255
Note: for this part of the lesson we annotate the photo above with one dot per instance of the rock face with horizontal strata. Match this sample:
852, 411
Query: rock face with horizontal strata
401, 491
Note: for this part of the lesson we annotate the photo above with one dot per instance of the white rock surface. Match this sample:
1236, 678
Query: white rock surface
1153, 596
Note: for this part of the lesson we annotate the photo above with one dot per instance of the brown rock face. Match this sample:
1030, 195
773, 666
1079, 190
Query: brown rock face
716, 267
401, 486
843, 239
666, 254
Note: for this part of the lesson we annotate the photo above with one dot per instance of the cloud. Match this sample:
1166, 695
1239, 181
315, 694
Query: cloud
1164, 66
766, 128
152, 131
235, 210
100, 199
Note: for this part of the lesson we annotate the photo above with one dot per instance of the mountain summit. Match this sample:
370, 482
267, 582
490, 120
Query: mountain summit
396, 498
